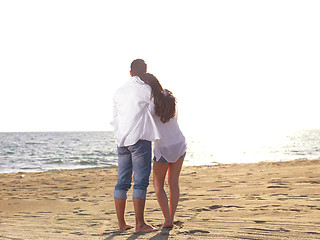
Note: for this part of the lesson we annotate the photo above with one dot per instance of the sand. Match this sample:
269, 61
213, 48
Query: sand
279, 200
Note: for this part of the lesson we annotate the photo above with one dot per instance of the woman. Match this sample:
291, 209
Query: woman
169, 151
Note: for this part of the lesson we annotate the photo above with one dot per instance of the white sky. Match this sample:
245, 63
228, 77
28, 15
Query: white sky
246, 65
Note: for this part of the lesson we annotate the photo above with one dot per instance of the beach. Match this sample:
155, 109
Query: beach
264, 200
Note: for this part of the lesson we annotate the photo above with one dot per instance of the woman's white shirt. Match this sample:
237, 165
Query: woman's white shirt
172, 143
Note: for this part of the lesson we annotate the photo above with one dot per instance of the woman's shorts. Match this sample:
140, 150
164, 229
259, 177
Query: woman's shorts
163, 160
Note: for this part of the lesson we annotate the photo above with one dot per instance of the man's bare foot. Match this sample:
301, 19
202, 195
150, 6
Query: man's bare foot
146, 228
125, 227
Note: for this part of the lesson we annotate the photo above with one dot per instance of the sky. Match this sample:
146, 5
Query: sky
249, 67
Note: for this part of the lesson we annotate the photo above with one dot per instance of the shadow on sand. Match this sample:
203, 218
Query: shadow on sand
163, 234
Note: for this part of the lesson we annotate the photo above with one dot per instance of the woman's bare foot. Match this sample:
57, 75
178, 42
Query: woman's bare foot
124, 227
167, 224
146, 228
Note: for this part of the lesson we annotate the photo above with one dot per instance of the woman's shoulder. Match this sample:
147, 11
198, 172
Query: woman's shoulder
171, 125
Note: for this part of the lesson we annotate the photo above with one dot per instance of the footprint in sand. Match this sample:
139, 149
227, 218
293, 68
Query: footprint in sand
73, 199
178, 223
202, 209
194, 232
77, 233
258, 221
277, 187
269, 230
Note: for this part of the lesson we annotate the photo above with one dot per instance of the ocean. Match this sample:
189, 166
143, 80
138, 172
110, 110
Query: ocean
45, 151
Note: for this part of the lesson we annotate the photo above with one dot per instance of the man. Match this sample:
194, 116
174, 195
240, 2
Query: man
134, 129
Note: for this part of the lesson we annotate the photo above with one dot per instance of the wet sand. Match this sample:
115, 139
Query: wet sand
279, 200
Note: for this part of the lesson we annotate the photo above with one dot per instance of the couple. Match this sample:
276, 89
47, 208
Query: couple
145, 112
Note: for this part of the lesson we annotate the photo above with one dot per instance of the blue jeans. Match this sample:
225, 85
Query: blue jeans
137, 159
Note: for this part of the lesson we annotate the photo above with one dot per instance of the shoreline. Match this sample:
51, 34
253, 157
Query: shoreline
116, 166
264, 200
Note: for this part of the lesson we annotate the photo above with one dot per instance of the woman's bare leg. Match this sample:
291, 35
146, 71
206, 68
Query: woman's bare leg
159, 175
173, 180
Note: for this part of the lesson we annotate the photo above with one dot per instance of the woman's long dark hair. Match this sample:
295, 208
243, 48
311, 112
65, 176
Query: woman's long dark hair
164, 101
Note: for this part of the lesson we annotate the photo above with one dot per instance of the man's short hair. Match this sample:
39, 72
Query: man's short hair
138, 67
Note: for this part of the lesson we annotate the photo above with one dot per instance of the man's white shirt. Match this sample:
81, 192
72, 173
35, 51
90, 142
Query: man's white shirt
133, 111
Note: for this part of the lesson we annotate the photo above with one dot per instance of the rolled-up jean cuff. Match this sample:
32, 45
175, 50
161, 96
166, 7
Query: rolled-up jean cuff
139, 193
121, 194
